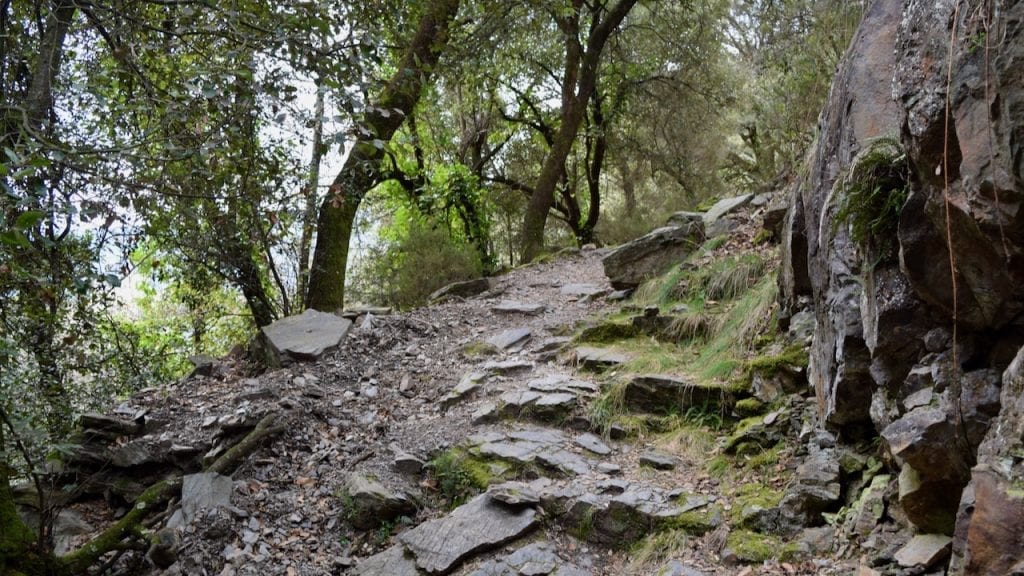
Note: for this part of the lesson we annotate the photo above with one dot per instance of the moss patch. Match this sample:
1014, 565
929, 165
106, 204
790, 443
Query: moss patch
754, 548
608, 332
478, 349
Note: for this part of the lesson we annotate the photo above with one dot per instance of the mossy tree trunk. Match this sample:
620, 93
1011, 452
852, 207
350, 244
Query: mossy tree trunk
362, 169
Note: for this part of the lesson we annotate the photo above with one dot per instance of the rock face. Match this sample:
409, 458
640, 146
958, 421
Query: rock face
302, 337
884, 359
630, 264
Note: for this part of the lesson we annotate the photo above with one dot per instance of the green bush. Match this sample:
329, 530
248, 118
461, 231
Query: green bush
421, 257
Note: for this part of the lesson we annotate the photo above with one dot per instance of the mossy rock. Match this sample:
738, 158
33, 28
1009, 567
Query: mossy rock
696, 522
479, 348
753, 435
608, 332
755, 548
748, 407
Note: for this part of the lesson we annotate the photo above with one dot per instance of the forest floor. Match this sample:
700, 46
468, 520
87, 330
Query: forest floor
383, 401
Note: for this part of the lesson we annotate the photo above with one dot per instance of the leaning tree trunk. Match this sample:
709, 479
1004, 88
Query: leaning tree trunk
362, 168
581, 80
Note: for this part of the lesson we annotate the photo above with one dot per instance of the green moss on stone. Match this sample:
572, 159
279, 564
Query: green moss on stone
754, 548
748, 407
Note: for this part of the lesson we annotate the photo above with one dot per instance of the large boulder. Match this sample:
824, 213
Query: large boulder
652, 254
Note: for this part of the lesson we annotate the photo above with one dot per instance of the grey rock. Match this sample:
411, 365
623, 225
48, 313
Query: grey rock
392, 562
724, 207
514, 494
67, 526
510, 340
631, 264
466, 387
408, 464
609, 468
138, 453
205, 491
619, 295
372, 503
465, 289
924, 550
599, 358
303, 337
592, 443
439, 546
774, 219
587, 290
677, 568
867, 511
506, 367
510, 307
562, 383
94, 422
685, 219
514, 401
536, 559
202, 365
485, 413
658, 460
657, 393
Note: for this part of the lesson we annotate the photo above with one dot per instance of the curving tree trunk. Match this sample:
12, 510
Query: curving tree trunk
577, 88
361, 171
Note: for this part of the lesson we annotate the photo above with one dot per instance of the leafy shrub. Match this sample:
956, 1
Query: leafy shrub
405, 269
871, 195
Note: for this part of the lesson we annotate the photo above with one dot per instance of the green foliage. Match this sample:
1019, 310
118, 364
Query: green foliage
418, 257
755, 548
460, 475
871, 195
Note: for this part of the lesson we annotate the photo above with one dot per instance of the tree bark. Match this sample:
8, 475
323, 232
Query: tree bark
361, 170
579, 85
309, 215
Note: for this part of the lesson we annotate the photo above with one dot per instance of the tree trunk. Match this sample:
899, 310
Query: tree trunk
581, 80
309, 215
361, 171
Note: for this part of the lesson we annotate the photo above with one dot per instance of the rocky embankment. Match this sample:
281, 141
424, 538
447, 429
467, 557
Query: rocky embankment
919, 302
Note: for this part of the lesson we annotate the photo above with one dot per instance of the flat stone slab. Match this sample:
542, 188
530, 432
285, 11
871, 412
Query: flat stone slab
205, 491
303, 337
600, 358
513, 339
509, 307
464, 289
562, 383
924, 550
439, 546
506, 367
536, 559
658, 460
543, 446
726, 206
391, 562
467, 386
589, 290
514, 494
593, 443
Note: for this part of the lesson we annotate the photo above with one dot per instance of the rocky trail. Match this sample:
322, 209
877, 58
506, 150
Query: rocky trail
410, 415
486, 434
